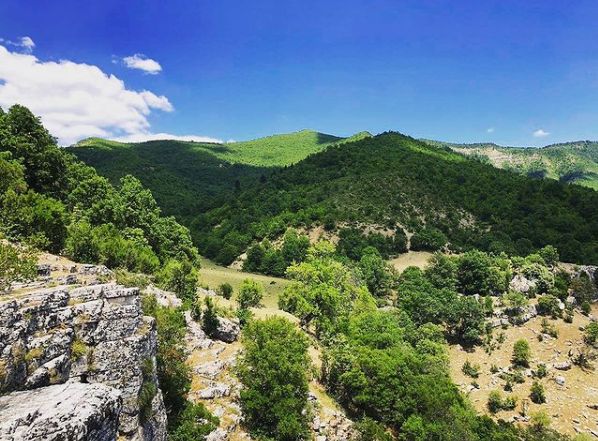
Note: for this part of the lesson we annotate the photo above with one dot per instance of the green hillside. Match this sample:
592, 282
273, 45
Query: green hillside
393, 179
571, 162
190, 177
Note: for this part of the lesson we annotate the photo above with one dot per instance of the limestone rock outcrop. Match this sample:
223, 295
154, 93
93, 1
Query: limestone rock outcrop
69, 411
89, 335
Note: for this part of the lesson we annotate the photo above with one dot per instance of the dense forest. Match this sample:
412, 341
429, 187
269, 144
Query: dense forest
397, 182
54, 202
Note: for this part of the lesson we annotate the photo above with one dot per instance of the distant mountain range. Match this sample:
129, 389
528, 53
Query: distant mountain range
570, 162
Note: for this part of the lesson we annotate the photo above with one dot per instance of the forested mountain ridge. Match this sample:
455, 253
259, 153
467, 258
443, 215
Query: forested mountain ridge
392, 180
570, 162
191, 177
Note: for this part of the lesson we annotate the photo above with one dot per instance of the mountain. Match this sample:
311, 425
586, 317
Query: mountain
190, 177
571, 162
393, 180
229, 198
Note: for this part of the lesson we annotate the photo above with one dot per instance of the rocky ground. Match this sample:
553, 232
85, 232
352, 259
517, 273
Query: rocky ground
571, 392
75, 355
215, 385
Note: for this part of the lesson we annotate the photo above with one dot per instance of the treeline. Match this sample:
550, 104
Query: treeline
392, 179
54, 202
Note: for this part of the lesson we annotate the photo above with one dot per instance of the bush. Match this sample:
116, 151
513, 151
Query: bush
549, 328
549, 305
273, 371
591, 333
497, 403
586, 308
471, 370
194, 423
250, 294
225, 290
16, 265
370, 430
537, 394
541, 371
209, 322
521, 353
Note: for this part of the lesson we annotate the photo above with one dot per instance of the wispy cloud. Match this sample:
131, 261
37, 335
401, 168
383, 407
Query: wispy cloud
142, 137
141, 62
75, 100
490, 130
25, 43
540, 133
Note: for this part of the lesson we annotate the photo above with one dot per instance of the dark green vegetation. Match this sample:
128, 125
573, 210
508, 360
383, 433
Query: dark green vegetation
188, 178
273, 370
234, 195
16, 265
392, 180
53, 201
389, 368
571, 162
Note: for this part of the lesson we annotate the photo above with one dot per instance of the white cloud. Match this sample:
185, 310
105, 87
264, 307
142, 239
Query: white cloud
25, 43
75, 100
540, 133
142, 137
490, 130
141, 62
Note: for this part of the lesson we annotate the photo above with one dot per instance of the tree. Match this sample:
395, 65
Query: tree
225, 290
250, 294
17, 264
428, 239
477, 273
273, 370
537, 394
442, 271
521, 353
209, 322
180, 277
591, 333
375, 272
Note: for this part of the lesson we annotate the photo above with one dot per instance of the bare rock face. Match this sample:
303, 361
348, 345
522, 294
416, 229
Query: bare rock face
93, 334
69, 411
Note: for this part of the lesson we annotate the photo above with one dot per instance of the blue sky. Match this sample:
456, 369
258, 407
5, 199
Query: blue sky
453, 70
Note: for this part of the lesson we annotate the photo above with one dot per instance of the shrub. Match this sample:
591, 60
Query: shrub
78, 349
549, 328
148, 390
497, 403
521, 353
225, 290
194, 423
16, 265
471, 370
591, 333
549, 305
209, 322
250, 294
541, 371
586, 308
537, 393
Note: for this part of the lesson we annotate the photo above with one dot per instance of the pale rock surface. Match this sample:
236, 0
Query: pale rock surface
92, 334
66, 412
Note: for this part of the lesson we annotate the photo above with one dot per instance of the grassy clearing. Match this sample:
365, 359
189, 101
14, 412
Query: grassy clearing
213, 275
